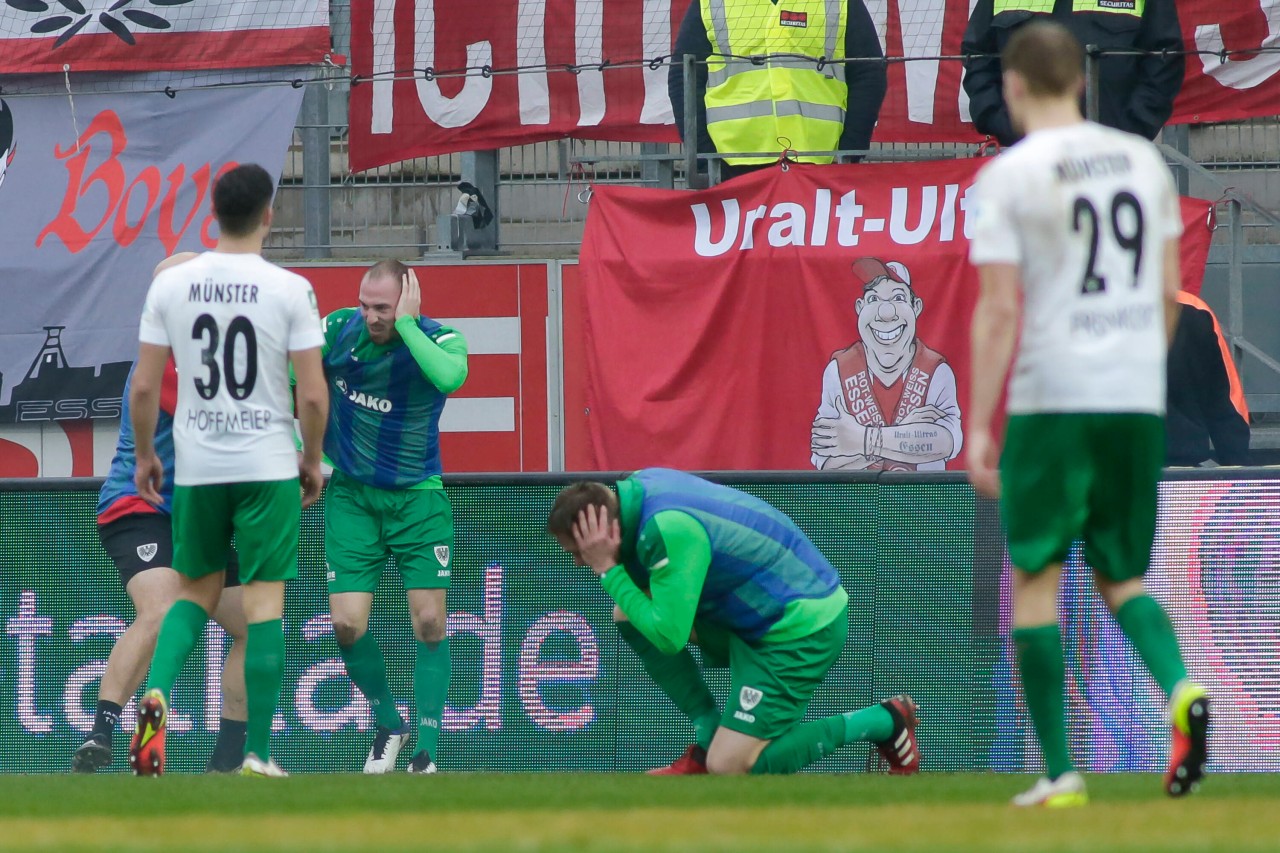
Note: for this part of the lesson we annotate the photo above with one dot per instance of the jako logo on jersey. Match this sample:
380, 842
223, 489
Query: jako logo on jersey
749, 697
442, 554
147, 552
360, 398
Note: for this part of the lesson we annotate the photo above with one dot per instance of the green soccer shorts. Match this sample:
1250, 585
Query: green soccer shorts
1094, 477
263, 517
772, 683
364, 525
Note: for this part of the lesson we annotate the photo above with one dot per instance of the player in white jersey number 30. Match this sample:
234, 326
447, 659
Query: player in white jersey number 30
233, 323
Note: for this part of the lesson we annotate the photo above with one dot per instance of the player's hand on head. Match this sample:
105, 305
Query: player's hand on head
148, 478
410, 304
599, 538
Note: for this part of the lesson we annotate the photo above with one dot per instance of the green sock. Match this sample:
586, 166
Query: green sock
678, 676
263, 674
368, 671
1043, 676
179, 632
430, 689
802, 745
873, 724
1147, 626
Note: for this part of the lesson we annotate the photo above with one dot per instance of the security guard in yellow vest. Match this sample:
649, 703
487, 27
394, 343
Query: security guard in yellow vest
1136, 93
805, 96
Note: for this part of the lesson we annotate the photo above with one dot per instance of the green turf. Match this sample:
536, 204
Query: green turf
465, 812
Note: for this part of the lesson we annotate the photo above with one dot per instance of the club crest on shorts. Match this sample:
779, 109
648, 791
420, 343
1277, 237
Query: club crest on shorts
147, 553
749, 697
442, 554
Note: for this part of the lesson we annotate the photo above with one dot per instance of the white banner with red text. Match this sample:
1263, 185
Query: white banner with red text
154, 35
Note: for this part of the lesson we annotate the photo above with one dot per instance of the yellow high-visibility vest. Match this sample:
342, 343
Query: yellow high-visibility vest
790, 100
1115, 7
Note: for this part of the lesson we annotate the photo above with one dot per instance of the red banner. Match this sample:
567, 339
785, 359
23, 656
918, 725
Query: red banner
398, 111
718, 325
926, 103
43, 37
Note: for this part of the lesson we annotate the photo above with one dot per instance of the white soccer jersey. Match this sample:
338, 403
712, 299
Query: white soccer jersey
231, 321
1085, 212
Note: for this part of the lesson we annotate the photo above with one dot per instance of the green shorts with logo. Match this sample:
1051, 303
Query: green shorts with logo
1094, 477
772, 683
262, 516
364, 525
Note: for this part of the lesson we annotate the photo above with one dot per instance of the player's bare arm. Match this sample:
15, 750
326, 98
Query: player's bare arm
313, 414
994, 332
144, 412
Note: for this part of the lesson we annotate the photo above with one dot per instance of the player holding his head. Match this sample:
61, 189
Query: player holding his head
685, 561
233, 323
139, 539
1076, 241
390, 370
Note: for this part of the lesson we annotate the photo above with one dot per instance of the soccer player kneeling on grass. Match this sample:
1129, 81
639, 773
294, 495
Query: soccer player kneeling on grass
1076, 243
688, 560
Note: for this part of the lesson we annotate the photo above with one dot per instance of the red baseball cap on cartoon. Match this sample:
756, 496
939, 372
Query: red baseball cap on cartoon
870, 270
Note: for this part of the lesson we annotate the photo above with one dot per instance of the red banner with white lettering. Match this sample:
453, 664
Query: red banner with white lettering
400, 109
435, 77
160, 35
720, 326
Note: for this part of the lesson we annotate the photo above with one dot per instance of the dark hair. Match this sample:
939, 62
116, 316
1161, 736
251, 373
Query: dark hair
1047, 56
241, 197
390, 268
573, 499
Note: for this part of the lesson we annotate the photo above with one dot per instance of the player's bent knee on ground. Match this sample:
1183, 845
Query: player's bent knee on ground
726, 763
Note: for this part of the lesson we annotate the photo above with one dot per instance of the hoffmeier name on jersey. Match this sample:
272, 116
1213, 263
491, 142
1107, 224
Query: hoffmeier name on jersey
233, 421
231, 321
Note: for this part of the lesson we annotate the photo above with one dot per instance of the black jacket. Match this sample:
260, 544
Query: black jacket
867, 81
1136, 93
1200, 410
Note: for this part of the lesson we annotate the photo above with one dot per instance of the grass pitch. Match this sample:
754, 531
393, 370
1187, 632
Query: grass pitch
517, 812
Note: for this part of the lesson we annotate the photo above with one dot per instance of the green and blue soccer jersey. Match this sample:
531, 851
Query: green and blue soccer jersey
386, 399
712, 553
